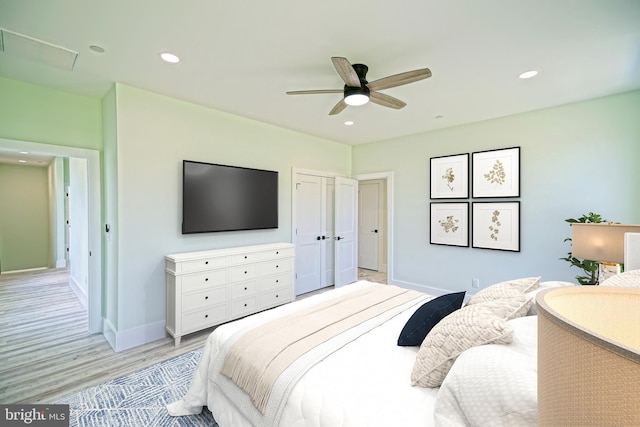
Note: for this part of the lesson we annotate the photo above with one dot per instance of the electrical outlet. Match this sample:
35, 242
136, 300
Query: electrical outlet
475, 282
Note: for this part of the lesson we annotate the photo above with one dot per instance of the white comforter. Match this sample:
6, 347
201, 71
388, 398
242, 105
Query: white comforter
366, 383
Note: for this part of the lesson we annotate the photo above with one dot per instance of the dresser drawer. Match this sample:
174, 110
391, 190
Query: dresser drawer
244, 306
275, 266
243, 259
201, 319
203, 299
207, 279
276, 297
244, 289
244, 272
204, 264
274, 282
274, 254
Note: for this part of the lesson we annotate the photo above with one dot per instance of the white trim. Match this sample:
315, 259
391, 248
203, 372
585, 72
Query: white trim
95, 216
75, 287
24, 270
388, 176
135, 337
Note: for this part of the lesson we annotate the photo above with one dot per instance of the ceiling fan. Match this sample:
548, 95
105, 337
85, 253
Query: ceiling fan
358, 91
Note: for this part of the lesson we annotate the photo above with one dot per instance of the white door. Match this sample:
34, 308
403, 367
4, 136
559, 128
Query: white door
327, 242
368, 225
308, 239
346, 231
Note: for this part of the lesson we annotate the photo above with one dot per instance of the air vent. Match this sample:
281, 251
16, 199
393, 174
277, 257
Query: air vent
36, 50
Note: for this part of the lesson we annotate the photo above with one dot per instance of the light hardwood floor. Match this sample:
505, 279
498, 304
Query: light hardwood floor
46, 351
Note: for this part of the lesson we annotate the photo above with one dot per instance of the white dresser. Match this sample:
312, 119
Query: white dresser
208, 288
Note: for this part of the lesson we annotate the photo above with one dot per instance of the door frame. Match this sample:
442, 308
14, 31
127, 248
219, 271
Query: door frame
388, 177
94, 232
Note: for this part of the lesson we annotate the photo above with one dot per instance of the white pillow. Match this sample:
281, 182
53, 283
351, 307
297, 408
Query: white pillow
465, 328
493, 385
628, 279
533, 308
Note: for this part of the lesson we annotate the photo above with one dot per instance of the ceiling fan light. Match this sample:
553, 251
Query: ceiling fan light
356, 99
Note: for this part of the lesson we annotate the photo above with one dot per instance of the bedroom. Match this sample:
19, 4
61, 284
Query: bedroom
587, 151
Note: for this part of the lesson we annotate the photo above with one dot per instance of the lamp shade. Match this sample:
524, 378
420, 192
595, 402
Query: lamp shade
588, 356
600, 242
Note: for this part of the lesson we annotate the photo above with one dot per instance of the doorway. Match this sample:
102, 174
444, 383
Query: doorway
375, 228
93, 227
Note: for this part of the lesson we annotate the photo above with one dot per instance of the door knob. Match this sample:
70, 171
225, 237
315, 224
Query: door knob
374, 231
338, 238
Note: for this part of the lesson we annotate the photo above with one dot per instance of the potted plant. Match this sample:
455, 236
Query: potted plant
589, 267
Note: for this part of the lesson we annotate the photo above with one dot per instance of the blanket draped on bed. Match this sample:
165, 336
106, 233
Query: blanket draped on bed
258, 358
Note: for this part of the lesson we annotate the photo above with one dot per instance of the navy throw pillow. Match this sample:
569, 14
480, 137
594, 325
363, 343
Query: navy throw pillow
427, 316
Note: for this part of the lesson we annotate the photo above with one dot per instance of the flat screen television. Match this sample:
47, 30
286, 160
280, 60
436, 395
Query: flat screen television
227, 198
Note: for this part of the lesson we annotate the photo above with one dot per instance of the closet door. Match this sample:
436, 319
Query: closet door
308, 233
346, 231
327, 263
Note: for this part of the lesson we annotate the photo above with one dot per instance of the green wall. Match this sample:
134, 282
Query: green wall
154, 135
24, 217
37, 114
575, 159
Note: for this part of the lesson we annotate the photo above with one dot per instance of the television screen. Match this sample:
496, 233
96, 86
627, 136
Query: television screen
227, 198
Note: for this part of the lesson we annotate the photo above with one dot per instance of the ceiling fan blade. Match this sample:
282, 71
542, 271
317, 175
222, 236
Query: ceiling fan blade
311, 92
345, 71
399, 79
386, 100
341, 105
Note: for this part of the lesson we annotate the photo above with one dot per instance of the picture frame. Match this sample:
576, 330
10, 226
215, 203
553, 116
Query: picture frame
496, 225
449, 177
449, 224
496, 173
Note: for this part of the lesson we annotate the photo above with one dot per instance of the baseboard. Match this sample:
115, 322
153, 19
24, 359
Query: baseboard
24, 270
134, 337
420, 288
80, 293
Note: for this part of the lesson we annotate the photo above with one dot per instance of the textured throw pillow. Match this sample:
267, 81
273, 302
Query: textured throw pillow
427, 316
501, 290
511, 307
468, 327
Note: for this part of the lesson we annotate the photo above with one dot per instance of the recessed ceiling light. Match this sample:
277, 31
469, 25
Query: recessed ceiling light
169, 57
528, 74
22, 161
96, 48
349, 123
24, 152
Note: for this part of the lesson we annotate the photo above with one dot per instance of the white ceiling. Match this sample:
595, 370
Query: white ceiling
242, 56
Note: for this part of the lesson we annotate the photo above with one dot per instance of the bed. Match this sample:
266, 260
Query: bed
362, 377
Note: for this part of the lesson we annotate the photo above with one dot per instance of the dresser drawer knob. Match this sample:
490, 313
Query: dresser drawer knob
245, 257
245, 288
245, 272
277, 266
277, 296
277, 281
206, 263
206, 316
245, 304
206, 297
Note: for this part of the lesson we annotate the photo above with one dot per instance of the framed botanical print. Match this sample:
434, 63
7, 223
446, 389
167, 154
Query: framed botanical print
496, 173
449, 224
449, 177
496, 226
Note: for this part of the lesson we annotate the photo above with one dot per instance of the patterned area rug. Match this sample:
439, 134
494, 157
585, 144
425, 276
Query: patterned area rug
139, 399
